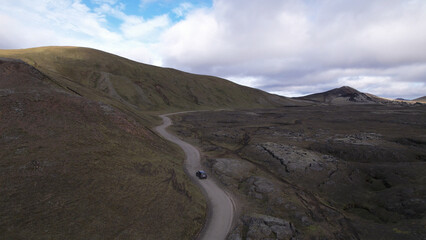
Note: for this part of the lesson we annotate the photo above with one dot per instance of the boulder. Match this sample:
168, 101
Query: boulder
259, 186
267, 227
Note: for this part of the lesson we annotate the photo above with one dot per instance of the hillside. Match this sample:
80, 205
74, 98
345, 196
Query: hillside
342, 95
73, 168
420, 99
95, 74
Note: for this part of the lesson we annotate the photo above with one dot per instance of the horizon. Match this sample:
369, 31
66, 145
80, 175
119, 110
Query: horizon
290, 48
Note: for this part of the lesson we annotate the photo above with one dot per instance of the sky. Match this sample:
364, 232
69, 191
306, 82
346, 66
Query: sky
287, 47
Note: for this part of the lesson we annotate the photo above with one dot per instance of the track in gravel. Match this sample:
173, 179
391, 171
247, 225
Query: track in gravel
220, 204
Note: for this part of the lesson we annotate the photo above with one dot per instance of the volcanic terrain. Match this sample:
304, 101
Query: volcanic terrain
319, 172
79, 158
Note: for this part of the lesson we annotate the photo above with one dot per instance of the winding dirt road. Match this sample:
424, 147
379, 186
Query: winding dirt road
220, 204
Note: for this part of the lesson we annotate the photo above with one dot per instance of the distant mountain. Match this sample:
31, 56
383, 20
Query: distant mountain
342, 95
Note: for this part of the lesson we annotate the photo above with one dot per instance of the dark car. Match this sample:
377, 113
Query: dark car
201, 174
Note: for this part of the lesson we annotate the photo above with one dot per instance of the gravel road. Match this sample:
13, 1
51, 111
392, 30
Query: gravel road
220, 204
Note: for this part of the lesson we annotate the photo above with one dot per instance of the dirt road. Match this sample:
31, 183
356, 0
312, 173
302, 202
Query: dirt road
221, 206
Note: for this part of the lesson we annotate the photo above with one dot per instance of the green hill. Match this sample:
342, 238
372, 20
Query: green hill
139, 86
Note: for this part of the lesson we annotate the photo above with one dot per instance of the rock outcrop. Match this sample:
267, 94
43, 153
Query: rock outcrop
257, 227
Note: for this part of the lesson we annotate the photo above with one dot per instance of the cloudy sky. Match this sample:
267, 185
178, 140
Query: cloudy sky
288, 47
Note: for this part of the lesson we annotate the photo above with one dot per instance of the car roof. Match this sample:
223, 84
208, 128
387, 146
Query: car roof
201, 171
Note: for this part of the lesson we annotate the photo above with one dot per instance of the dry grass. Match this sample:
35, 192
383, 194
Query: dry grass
72, 168
140, 86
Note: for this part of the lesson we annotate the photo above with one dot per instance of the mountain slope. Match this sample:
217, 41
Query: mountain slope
140, 86
420, 99
342, 95
73, 168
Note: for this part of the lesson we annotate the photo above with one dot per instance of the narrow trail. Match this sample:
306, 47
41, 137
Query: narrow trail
220, 204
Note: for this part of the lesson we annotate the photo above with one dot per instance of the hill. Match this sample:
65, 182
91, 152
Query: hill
420, 99
343, 95
73, 168
138, 86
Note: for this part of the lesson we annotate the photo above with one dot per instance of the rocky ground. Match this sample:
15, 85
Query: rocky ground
319, 172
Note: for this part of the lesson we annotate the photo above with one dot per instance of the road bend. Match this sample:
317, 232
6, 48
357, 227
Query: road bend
220, 204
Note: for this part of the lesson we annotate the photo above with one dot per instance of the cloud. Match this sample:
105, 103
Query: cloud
250, 81
71, 22
296, 45
52, 22
392, 82
289, 47
236, 33
146, 3
135, 27
182, 9
110, 2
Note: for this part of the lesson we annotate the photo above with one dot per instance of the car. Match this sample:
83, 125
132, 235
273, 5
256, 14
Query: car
201, 174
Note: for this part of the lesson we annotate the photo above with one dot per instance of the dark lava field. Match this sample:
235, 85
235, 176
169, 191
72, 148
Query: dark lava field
321, 172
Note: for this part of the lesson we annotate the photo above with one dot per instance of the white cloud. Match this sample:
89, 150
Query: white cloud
182, 9
382, 82
70, 22
51, 22
295, 44
249, 81
292, 47
365, 82
232, 33
144, 3
137, 28
384, 85
194, 38
110, 2
115, 11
